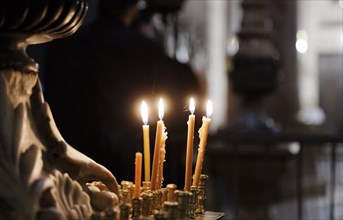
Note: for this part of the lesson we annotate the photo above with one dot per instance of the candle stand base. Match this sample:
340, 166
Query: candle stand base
210, 216
166, 203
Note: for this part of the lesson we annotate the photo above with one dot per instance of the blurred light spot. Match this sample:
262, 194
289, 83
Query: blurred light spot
182, 54
301, 46
294, 147
312, 116
141, 5
232, 45
302, 41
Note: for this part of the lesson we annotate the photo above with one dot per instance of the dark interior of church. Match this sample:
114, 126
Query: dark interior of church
171, 109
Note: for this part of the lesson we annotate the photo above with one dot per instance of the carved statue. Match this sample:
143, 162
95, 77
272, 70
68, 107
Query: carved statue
42, 177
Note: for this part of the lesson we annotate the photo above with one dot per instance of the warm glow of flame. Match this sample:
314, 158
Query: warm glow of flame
191, 106
160, 109
209, 109
144, 112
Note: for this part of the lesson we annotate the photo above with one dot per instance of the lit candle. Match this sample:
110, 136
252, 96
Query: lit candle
190, 140
162, 158
157, 150
203, 134
138, 174
146, 141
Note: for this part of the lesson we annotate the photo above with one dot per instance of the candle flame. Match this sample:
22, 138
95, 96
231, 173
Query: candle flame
209, 109
161, 109
144, 112
191, 106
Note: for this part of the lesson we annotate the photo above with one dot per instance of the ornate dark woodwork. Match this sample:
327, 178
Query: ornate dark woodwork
42, 177
256, 67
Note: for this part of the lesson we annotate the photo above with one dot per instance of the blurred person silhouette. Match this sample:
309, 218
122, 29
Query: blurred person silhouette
95, 80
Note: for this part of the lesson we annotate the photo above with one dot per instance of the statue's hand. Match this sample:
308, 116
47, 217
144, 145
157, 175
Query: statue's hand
61, 156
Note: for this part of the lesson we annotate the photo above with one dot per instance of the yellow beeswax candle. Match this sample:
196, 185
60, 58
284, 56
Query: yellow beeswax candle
138, 174
162, 158
146, 141
157, 150
190, 141
203, 134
